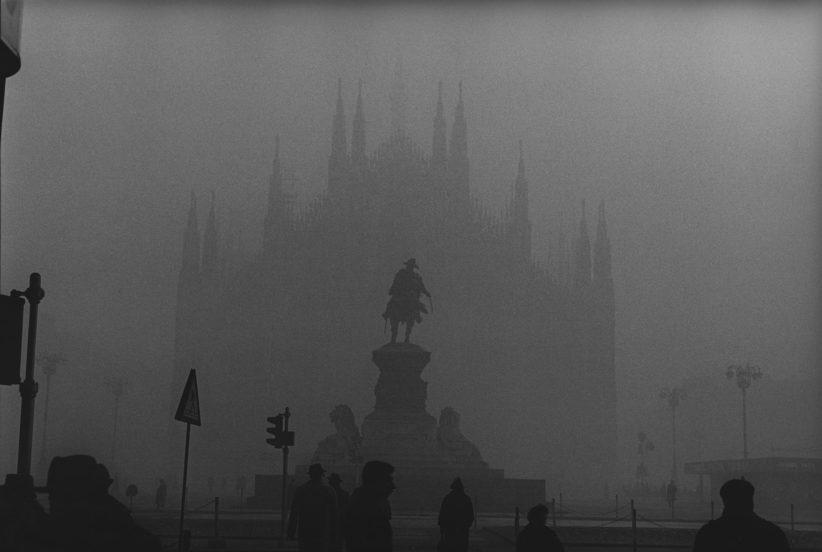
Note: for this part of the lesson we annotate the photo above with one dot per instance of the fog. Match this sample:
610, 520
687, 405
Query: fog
697, 127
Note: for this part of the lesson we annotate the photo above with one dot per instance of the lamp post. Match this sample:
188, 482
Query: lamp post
673, 396
49, 362
117, 386
745, 375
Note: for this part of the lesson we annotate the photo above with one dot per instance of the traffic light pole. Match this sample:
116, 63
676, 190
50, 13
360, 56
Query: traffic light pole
283, 503
28, 388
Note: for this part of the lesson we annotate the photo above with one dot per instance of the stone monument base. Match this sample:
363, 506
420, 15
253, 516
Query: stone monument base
427, 454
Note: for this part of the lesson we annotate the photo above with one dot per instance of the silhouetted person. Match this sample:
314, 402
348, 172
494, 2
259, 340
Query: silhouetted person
670, 493
368, 520
23, 522
455, 519
84, 517
405, 305
343, 497
313, 518
739, 528
160, 495
536, 537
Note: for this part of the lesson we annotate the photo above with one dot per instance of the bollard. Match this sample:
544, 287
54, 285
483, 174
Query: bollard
216, 516
792, 525
554, 510
633, 528
216, 541
185, 543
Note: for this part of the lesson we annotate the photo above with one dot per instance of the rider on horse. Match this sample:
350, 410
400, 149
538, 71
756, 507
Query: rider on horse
405, 305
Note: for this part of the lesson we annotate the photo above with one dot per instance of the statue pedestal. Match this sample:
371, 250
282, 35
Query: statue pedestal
400, 430
427, 454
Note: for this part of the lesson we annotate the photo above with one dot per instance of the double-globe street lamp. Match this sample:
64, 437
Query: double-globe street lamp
745, 375
673, 396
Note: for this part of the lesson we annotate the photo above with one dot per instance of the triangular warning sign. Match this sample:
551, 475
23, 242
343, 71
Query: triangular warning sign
188, 410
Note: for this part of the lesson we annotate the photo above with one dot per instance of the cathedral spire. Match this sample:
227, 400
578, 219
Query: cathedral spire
358, 132
338, 160
518, 210
398, 96
439, 147
582, 265
276, 216
209, 263
191, 243
459, 132
458, 159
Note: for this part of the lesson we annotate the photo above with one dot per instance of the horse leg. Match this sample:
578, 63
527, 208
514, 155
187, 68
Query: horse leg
409, 325
394, 327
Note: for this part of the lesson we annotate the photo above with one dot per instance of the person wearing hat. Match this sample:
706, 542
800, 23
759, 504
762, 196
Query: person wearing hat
536, 536
368, 518
739, 528
342, 505
83, 516
455, 519
313, 518
405, 305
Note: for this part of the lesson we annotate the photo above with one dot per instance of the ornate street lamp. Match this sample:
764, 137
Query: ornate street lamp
745, 375
673, 396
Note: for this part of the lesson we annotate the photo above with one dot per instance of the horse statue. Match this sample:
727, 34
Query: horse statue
405, 306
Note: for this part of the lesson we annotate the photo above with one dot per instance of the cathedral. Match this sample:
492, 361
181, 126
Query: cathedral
296, 322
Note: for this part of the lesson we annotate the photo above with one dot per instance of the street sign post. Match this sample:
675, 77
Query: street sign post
188, 411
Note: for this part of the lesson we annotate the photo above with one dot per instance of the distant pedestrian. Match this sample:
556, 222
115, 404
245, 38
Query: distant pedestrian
368, 520
343, 497
739, 528
536, 537
670, 496
313, 520
455, 519
160, 495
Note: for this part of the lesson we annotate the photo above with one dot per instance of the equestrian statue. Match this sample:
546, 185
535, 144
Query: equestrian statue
405, 305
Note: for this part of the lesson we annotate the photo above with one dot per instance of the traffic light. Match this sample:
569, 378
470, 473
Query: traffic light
282, 438
11, 338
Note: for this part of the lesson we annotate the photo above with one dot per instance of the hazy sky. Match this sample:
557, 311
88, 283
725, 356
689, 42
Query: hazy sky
698, 127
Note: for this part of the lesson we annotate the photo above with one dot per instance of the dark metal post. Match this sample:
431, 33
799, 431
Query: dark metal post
744, 425
792, 519
181, 541
283, 505
516, 523
633, 527
216, 517
28, 388
554, 510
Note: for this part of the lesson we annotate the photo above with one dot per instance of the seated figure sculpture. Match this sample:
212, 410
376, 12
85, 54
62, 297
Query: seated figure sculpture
343, 446
454, 445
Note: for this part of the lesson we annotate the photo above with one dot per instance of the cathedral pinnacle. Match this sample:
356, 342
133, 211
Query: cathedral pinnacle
358, 131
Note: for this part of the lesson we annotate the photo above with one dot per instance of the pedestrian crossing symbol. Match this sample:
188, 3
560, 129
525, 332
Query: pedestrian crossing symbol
188, 410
